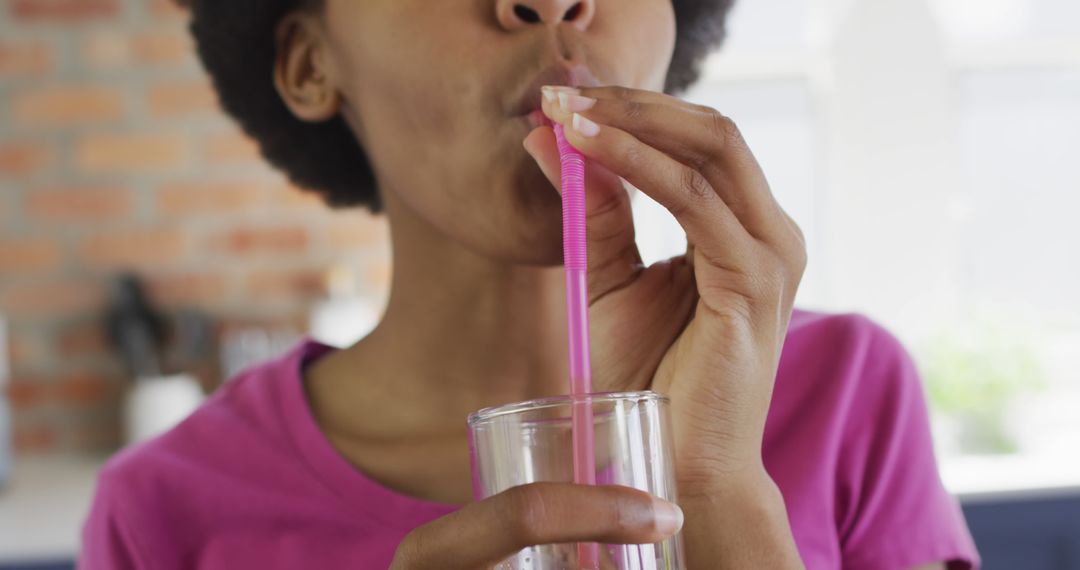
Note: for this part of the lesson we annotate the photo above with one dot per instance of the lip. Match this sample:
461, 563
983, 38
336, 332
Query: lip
537, 118
530, 99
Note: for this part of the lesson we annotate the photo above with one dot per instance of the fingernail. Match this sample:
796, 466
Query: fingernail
575, 103
668, 516
584, 126
551, 92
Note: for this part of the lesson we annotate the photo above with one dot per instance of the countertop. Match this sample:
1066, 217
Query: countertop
43, 507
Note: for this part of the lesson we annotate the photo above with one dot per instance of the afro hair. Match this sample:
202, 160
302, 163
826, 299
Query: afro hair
235, 41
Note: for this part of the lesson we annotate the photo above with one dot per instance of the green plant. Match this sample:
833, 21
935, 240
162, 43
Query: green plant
972, 374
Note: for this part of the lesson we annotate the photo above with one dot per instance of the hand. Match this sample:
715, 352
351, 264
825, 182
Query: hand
487, 532
705, 328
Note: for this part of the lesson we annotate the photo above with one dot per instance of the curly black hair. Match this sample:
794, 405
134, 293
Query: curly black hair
235, 41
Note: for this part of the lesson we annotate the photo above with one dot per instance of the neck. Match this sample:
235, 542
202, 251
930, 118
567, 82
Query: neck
461, 332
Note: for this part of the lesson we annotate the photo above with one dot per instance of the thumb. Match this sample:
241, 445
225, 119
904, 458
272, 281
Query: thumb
613, 254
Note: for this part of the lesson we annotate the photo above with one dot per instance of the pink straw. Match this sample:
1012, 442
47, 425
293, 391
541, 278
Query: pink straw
577, 313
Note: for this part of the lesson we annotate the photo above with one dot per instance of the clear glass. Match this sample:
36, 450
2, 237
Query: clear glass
531, 442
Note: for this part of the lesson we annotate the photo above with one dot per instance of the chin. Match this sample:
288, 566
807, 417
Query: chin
530, 233
533, 237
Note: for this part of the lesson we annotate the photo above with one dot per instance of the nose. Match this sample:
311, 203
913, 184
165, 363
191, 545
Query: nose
517, 14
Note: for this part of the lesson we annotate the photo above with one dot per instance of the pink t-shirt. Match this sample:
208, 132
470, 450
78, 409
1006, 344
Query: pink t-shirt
249, 480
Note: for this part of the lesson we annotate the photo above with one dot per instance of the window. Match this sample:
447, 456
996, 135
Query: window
931, 153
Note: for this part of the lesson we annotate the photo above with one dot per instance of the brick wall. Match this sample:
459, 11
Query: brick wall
114, 155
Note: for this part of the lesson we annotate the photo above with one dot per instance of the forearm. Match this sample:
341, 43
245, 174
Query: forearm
738, 525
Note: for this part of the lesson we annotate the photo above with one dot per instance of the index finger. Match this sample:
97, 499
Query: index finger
696, 136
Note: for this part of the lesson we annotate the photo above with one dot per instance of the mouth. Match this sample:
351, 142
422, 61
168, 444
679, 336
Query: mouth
537, 118
528, 105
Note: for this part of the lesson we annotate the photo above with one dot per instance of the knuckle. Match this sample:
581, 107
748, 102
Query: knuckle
792, 246
772, 278
613, 203
406, 554
723, 129
624, 514
633, 110
526, 510
622, 93
800, 255
631, 153
771, 281
799, 259
695, 185
800, 237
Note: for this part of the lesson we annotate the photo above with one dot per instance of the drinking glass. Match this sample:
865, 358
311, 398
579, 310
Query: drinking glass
532, 442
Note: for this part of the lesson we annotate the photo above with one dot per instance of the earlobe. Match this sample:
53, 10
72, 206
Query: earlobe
300, 71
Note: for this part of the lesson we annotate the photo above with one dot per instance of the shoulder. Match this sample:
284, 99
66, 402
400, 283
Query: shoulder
849, 351
849, 389
848, 441
226, 419
842, 377
238, 428
152, 497
839, 333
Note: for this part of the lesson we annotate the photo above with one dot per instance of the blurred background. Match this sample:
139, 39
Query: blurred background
930, 149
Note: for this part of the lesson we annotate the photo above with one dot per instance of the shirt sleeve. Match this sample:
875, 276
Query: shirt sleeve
107, 540
893, 511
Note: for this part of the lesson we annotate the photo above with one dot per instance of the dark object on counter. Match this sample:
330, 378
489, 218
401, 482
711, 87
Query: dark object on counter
134, 327
192, 338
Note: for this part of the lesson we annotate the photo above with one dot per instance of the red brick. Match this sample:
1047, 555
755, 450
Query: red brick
183, 198
27, 350
26, 393
84, 389
199, 288
52, 298
81, 338
24, 159
116, 49
29, 255
287, 195
170, 46
29, 58
180, 98
231, 148
290, 284
130, 153
134, 247
66, 105
106, 49
78, 204
63, 11
167, 9
96, 435
37, 438
279, 240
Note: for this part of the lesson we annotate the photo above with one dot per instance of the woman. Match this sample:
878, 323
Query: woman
802, 438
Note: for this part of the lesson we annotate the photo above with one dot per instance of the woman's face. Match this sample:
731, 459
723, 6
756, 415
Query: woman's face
439, 94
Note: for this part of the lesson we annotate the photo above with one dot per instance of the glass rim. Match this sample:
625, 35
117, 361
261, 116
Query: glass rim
495, 412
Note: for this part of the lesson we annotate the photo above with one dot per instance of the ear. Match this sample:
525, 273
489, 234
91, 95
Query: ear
302, 71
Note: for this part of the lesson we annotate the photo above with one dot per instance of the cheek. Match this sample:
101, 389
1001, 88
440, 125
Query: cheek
404, 65
645, 31
408, 98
